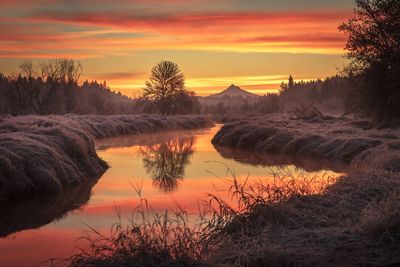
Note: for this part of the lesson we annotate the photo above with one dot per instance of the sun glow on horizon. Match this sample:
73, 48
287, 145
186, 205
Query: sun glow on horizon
259, 85
255, 44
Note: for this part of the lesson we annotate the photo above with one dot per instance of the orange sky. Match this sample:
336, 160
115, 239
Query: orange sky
254, 44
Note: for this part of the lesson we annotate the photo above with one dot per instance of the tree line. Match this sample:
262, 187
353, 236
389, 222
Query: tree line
369, 85
54, 87
322, 93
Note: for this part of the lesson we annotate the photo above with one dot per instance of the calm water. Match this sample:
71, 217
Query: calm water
171, 167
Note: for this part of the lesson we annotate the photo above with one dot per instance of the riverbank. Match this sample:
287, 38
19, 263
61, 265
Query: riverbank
355, 222
45, 154
332, 138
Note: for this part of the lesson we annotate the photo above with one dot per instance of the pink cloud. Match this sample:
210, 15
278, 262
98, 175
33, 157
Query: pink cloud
247, 31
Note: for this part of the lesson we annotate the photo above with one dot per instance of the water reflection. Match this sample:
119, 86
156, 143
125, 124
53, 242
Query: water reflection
162, 159
41, 210
252, 158
165, 162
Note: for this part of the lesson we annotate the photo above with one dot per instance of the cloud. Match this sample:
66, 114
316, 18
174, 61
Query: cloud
299, 38
98, 34
166, 22
133, 25
123, 75
107, 31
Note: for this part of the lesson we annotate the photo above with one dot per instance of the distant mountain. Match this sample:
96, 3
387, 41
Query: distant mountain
234, 91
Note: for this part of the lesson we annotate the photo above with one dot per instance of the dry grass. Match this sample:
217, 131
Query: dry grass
295, 221
170, 238
381, 219
174, 238
352, 220
333, 138
47, 154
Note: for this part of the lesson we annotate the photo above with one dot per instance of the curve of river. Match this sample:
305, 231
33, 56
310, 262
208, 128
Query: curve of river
176, 167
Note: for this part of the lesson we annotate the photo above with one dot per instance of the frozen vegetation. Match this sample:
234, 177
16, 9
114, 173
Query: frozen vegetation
351, 220
339, 139
50, 153
355, 222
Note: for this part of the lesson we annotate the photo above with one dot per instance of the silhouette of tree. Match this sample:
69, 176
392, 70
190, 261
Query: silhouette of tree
3, 94
18, 95
166, 88
374, 32
290, 82
374, 50
270, 103
165, 81
166, 162
185, 102
313, 94
53, 87
283, 88
60, 75
71, 73
37, 89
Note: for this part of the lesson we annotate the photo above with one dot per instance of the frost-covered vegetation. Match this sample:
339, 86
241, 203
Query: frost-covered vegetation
47, 154
356, 221
295, 221
335, 138
175, 238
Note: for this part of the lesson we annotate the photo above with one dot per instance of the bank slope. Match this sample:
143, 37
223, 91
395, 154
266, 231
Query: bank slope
44, 154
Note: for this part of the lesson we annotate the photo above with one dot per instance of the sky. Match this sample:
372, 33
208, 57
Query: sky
255, 44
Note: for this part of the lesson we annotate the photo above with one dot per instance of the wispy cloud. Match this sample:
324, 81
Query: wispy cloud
241, 32
112, 29
112, 76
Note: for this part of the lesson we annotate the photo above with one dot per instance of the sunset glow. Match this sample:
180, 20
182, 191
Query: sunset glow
199, 133
255, 44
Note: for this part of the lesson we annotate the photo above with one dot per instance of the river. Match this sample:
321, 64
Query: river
170, 168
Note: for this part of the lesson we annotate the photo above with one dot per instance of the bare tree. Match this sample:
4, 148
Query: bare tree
166, 80
31, 85
59, 75
72, 72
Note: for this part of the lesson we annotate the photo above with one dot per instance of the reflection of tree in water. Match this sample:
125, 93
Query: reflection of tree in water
166, 162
